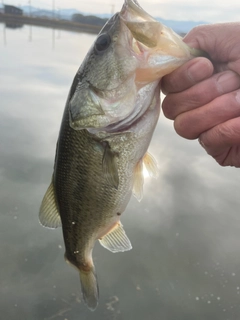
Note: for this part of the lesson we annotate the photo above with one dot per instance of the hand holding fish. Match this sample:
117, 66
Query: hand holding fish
203, 96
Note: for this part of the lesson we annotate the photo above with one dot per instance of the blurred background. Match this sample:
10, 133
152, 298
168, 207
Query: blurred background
185, 261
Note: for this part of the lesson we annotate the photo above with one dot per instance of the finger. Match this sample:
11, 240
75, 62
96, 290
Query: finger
187, 75
223, 142
191, 124
200, 94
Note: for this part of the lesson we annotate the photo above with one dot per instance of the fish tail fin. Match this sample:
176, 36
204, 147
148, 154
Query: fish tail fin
89, 285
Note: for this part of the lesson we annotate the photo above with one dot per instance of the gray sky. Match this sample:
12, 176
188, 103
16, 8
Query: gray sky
204, 10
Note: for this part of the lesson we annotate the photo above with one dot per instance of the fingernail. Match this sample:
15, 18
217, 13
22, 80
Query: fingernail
200, 70
227, 81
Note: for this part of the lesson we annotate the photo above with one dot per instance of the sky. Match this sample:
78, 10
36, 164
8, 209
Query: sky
213, 11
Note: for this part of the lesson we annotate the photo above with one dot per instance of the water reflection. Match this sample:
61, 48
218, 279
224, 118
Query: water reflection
30, 33
185, 233
56, 34
14, 25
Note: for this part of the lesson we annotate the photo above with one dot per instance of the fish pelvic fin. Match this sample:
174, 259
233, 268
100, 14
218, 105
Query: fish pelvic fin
89, 284
48, 214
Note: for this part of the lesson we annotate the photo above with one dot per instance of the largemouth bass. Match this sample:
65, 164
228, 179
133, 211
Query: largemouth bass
110, 115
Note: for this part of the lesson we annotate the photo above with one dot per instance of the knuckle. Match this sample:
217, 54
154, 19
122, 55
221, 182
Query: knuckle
204, 140
226, 81
194, 97
222, 161
224, 132
215, 136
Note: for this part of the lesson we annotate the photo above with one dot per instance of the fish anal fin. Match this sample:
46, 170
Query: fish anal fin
116, 240
110, 167
138, 181
150, 164
48, 214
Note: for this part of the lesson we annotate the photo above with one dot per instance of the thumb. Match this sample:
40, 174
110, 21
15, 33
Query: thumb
220, 41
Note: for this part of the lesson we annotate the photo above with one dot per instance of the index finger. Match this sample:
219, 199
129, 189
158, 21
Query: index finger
187, 75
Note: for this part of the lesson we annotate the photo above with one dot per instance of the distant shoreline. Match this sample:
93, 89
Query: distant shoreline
49, 23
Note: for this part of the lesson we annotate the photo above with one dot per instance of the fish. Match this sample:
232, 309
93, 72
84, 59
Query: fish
110, 115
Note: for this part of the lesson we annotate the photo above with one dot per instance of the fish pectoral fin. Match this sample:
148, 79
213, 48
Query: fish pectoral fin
152, 168
150, 164
116, 240
48, 214
110, 167
138, 181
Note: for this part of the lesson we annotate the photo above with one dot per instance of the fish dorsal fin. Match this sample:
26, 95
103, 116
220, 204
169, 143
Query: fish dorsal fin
138, 181
116, 240
110, 167
150, 164
48, 214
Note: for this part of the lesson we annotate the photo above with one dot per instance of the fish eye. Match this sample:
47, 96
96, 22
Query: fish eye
102, 43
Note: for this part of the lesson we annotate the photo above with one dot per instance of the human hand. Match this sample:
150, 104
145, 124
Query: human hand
203, 96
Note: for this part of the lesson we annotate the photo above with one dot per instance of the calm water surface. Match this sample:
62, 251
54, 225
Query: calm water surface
185, 262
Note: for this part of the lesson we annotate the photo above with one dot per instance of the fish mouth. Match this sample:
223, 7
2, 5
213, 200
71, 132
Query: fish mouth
160, 45
148, 32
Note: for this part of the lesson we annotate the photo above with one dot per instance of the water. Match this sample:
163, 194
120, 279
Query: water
185, 262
